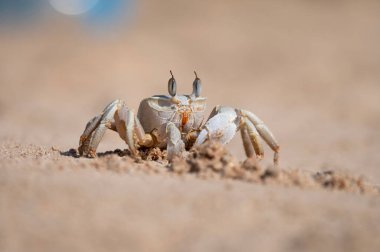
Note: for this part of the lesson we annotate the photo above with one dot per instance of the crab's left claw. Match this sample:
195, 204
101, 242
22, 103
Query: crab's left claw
224, 122
221, 126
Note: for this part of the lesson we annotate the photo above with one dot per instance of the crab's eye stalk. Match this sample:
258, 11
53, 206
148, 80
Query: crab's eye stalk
172, 85
197, 86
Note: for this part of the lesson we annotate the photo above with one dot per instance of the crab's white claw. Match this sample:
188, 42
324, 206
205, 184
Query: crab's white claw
225, 121
175, 145
202, 137
221, 127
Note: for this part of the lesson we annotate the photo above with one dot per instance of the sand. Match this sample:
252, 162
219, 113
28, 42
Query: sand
309, 69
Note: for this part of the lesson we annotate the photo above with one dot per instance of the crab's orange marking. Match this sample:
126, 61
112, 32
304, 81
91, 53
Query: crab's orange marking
185, 118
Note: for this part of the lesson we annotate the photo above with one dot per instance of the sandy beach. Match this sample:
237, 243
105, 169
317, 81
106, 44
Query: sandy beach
309, 69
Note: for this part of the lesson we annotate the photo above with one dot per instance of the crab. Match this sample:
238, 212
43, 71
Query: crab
176, 122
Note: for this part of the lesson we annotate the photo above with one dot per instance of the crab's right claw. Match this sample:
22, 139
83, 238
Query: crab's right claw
175, 145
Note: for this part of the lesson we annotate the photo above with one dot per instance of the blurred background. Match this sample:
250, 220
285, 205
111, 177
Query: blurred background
309, 68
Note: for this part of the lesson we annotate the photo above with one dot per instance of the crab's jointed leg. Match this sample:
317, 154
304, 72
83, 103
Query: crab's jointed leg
95, 130
116, 116
251, 139
254, 137
264, 132
125, 126
248, 148
86, 137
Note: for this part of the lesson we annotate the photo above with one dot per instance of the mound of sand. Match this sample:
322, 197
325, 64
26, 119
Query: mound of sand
214, 161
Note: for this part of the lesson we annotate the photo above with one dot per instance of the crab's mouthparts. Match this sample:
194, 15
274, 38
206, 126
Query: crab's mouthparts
185, 118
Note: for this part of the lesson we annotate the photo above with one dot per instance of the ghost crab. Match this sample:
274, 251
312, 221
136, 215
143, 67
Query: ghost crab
175, 122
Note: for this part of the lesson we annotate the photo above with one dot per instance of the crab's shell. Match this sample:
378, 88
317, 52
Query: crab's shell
186, 112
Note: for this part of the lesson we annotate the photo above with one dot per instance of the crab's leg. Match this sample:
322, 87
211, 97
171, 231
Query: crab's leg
139, 130
248, 148
254, 138
264, 132
85, 138
116, 116
90, 127
175, 145
125, 126
95, 130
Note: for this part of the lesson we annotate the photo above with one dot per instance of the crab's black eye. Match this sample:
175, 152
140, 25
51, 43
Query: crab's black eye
197, 87
172, 85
